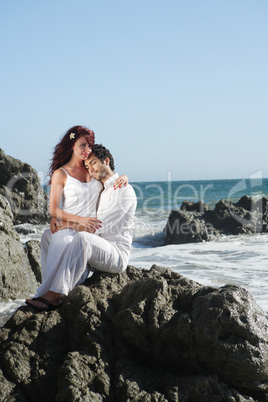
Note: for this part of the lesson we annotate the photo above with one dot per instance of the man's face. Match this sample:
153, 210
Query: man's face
96, 167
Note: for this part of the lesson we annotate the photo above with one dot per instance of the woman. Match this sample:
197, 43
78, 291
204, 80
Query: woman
73, 197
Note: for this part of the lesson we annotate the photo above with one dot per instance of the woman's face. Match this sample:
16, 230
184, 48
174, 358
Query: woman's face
81, 148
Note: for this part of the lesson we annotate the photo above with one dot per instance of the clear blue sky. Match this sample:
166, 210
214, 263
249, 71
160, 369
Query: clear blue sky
168, 86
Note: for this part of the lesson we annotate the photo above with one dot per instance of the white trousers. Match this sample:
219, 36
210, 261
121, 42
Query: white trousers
53, 250
79, 253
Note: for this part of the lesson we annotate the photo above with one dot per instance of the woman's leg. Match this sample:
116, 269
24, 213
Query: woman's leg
53, 249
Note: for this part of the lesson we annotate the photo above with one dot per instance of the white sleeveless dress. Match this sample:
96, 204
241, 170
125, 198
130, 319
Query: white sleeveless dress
78, 199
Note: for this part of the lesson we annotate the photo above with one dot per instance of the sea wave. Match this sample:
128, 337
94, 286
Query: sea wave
239, 260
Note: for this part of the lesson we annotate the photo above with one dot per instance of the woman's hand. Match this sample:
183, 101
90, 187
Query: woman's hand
121, 181
85, 224
79, 227
89, 224
54, 225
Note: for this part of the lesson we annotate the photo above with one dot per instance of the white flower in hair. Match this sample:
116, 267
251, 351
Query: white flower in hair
72, 136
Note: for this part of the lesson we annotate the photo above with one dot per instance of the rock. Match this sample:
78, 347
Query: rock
6, 215
187, 227
233, 219
34, 255
31, 367
142, 335
196, 222
246, 203
24, 229
20, 185
199, 206
16, 277
264, 208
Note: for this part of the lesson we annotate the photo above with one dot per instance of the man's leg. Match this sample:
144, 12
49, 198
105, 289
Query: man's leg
86, 248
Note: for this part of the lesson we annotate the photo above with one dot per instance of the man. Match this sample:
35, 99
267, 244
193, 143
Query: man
108, 249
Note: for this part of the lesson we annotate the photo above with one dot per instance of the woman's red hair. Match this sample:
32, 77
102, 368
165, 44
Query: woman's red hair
63, 151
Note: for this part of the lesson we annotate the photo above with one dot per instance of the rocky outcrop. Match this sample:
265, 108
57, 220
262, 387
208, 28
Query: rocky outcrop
142, 335
196, 222
16, 276
22, 199
20, 185
34, 256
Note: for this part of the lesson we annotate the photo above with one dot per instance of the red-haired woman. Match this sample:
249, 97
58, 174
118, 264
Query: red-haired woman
73, 197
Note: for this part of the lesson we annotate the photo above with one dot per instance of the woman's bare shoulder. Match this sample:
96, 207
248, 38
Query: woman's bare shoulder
59, 176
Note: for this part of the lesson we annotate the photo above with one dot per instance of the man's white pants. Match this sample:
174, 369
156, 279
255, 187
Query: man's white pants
87, 252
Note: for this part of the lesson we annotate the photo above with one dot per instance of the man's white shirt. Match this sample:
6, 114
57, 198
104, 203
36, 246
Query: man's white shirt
116, 211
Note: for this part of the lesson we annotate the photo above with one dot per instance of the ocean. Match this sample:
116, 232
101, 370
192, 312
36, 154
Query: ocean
241, 260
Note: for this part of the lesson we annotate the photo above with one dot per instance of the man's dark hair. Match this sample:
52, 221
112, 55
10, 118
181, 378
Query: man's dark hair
102, 153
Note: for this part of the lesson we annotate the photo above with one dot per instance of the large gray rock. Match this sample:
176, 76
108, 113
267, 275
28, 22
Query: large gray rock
196, 222
16, 276
188, 227
33, 250
20, 184
143, 335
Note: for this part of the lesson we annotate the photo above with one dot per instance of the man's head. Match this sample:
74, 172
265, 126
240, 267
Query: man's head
100, 163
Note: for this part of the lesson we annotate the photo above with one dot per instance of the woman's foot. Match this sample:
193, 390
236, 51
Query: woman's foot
50, 301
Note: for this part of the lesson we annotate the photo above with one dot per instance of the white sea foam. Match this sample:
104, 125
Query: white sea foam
31, 232
8, 308
240, 260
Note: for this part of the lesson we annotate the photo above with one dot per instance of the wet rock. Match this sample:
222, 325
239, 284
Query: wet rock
196, 222
188, 227
16, 277
264, 209
231, 218
20, 185
33, 356
199, 206
34, 256
23, 229
141, 335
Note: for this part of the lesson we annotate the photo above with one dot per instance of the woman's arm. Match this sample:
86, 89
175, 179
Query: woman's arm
121, 181
56, 225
